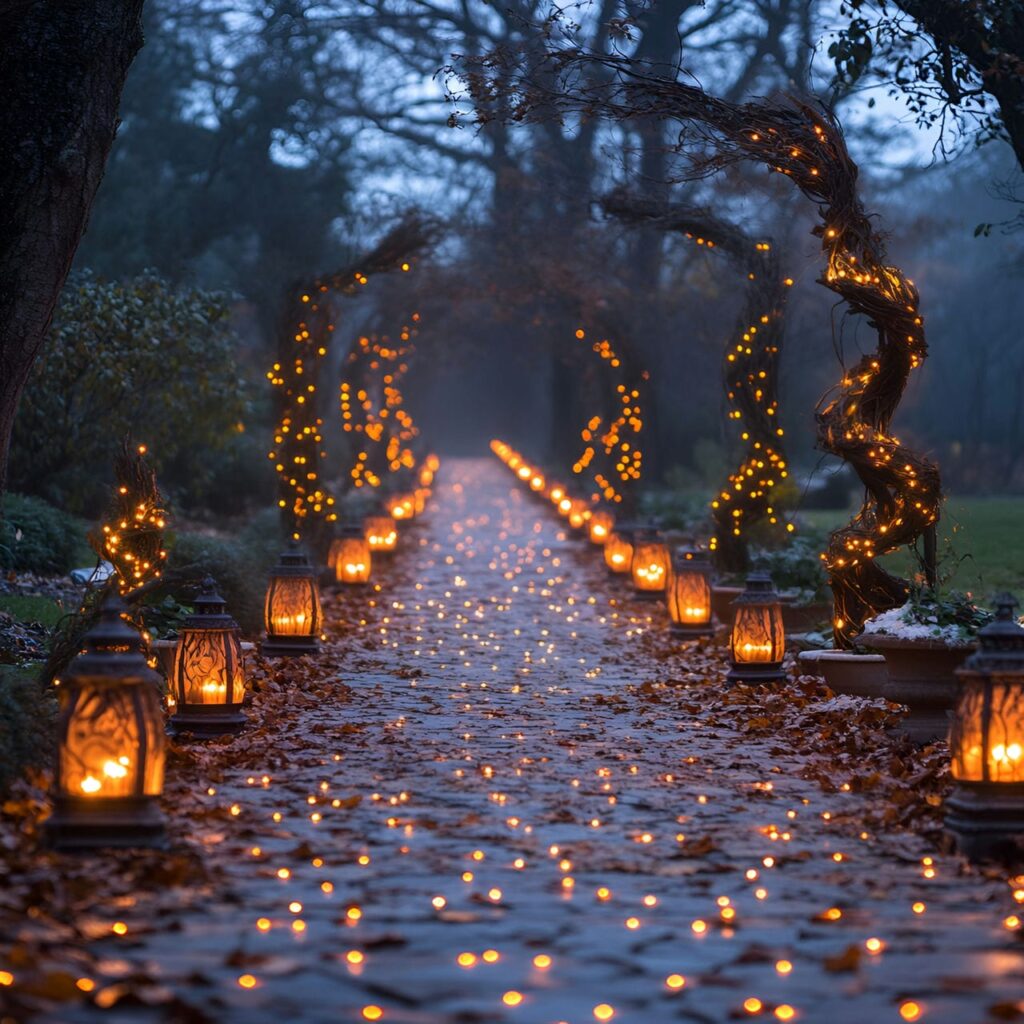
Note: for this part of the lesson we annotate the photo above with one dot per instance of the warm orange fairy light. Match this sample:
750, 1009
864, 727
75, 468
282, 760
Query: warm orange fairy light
512, 998
909, 1010
603, 1011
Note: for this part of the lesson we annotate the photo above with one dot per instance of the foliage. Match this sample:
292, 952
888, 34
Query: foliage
955, 65
795, 565
36, 537
134, 356
28, 710
952, 617
132, 537
239, 564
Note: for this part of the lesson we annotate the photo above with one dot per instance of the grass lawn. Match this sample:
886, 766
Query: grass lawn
981, 543
29, 608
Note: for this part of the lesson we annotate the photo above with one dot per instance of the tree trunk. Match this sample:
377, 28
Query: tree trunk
63, 66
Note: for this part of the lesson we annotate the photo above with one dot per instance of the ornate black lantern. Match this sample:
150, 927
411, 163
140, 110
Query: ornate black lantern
292, 609
110, 743
350, 556
688, 596
758, 641
208, 679
986, 744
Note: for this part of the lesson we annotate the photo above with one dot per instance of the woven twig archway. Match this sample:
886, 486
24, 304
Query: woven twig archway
750, 365
305, 340
902, 488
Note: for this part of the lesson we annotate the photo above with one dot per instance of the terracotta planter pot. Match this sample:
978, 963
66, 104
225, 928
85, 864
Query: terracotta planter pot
721, 603
860, 675
799, 618
921, 676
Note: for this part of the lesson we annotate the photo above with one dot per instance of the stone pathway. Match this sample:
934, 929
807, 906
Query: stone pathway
511, 799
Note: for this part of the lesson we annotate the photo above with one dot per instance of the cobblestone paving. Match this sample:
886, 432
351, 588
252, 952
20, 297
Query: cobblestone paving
484, 822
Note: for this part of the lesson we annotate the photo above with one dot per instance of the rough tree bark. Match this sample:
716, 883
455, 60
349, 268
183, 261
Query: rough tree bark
63, 66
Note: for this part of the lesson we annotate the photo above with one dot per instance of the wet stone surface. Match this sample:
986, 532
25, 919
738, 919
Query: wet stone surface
511, 797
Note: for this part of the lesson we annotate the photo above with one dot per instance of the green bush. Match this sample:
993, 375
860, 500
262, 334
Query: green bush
239, 565
36, 537
136, 357
28, 710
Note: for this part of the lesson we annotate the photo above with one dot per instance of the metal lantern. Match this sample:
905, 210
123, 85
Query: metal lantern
602, 522
420, 498
651, 563
986, 809
579, 514
688, 595
208, 680
380, 534
292, 610
537, 482
618, 550
110, 743
524, 472
402, 506
556, 493
758, 641
350, 556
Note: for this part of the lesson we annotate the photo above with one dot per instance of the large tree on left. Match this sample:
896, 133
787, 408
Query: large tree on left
62, 67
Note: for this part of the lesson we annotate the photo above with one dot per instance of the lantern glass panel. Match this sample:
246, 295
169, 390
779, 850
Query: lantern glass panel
602, 523
381, 534
618, 553
689, 596
292, 606
758, 636
208, 667
353, 563
111, 742
987, 738
650, 566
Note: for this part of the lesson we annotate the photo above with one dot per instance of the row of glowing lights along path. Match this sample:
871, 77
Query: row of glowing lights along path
987, 730
111, 750
757, 638
648, 570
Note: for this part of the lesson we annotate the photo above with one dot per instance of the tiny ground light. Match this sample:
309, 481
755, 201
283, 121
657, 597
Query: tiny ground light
381, 534
110, 743
757, 644
350, 556
688, 595
208, 679
292, 613
618, 549
602, 522
986, 809
651, 563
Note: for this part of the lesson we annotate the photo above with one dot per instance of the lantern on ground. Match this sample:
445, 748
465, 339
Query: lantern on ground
556, 494
380, 534
579, 514
688, 595
524, 472
402, 506
420, 498
651, 563
602, 522
537, 482
758, 641
618, 550
350, 556
110, 743
986, 809
292, 610
208, 680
